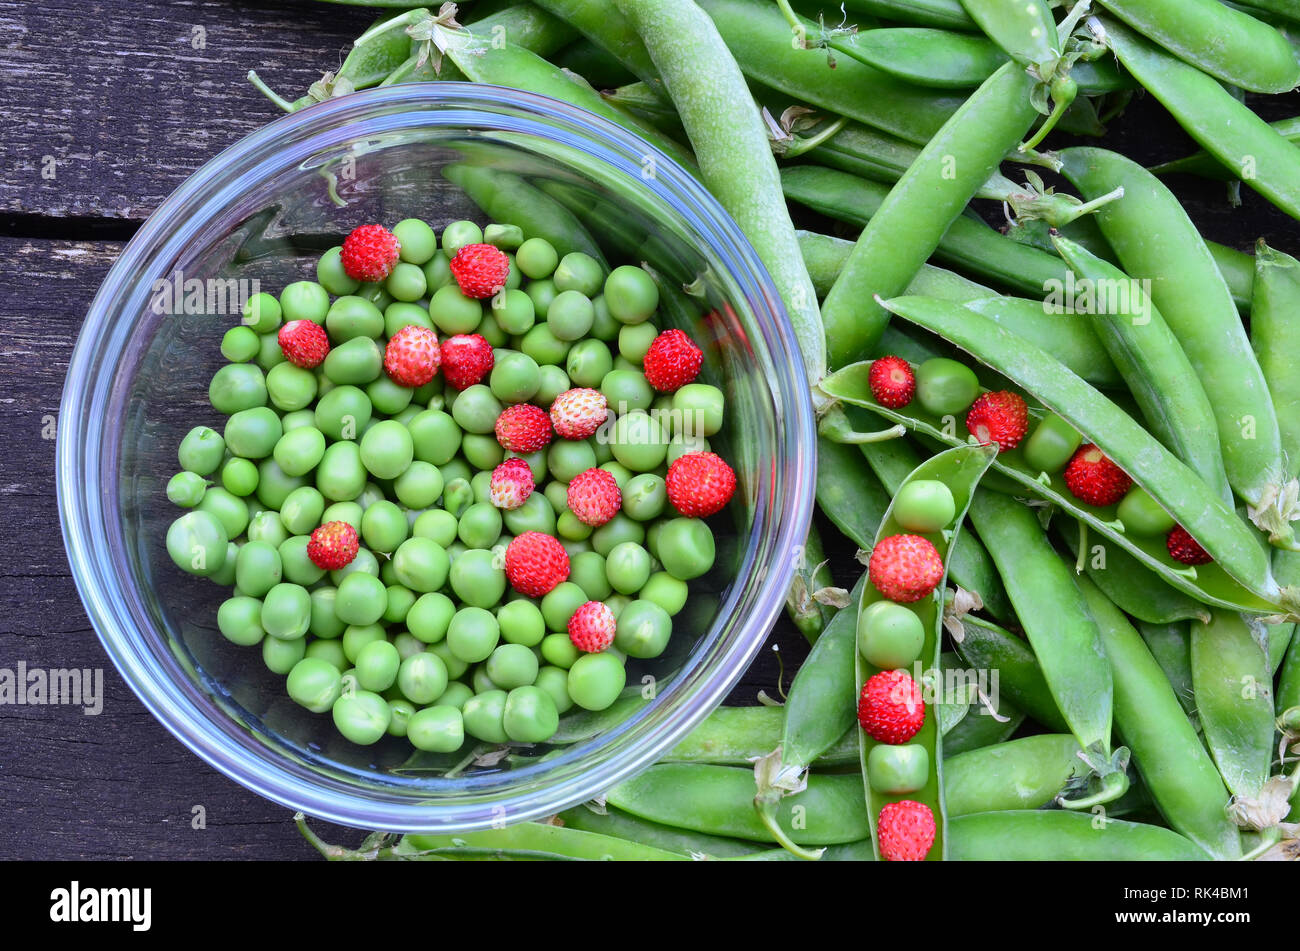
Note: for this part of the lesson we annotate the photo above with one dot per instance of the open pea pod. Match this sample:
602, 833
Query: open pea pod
1240, 576
960, 470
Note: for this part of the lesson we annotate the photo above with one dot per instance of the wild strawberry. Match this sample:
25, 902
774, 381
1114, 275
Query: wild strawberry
999, 417
592, 627
466, 359
892, 382
890, 707
333, 546
1183, 547
369, 253
1091, 477
700, 484
905, 568
512, 483
594, 497
523, 428
536, 563
480, 270
412, 356
672, 361
905, 831
304, 343
578, 413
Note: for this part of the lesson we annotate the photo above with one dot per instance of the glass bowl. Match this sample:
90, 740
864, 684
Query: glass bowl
263, 211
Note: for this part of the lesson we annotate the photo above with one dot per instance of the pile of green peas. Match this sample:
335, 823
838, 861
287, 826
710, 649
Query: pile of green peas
420, 636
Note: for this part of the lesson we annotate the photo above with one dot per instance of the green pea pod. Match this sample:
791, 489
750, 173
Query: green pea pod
1220, 124
1288, 689
621, 825
1233, 697
1275, 338
1234, 547
1246, 52
848, 492
1207, 166
1171, 646
368, 64
960, 470
544, 840
912, 218
1189, 291
1177, 770
1025, 29
1073, 341
968, 244
825, 257
719, 800
601, 23
760, 40
985, 646
1022, 774
1153, 364
1281, 637
736, 736
977, 730
1039, 835
927, 56
940, 13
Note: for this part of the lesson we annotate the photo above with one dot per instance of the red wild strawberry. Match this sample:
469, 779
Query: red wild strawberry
999, 417
905, 568
592, 626
412, 356
480, 270
304, 343
536, 563
369, 253
523, 428
905, 831
1091, 477
594, 497
1183, 547
512, 484
700, 484
890, 707
466, 359
672, 361
892, 382
578, 413
333, 546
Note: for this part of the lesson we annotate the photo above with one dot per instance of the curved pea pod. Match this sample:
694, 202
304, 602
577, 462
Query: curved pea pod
1240, 576
985, 646
960, 470
1176, 769
1220, 123
620, 825
1073, 341
1246, 52
1275, 338
1044, 835
736, 736
1288, 689
941, 13
1153, 364
1207, 166
1171, 646
760, 39
927, 56
1021, 774
1234, 699
543, 841
1192, 296
602, 24
719, 800
825, 256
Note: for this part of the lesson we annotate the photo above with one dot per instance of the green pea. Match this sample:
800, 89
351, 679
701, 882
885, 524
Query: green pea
478, 579
269, 353
634, 342
570, 528
457, 496
439, 729
262, 313
351, 317
186, 489
945, 387
924, 505
626, 390
645, 497
400, 713
388, 397
476, 409
515, 377
304, 300
298, 419
435, 437
473, 634
257, 568
686, 547
554, 381
357, 636
1142, 515
588, 363
364, 563
895, 770
543, 346
631, 294
387, 449
579, 272
286, 611
343, 412
436, 524
295, 564
1051, 444
419, 486
484, 716
348, 511
681, 444
383, 526
361, 716
422, 678
555, 681
235, 387
603, 326
341, 476
559, 604
421, 564
558, 651
224, 577
401, 314
361, 599
596, 680
454, 313
568, 458
400, 601
514, 312
666, 591
512, 665
537, 258
536, 462
314, 684
698, 409
628, 567
417, 241
331, 276
376, 665
535, 515
484, 453
406, 282
458, 234
530, 714
253, 433
230, 510
505, 237
570, 315
201, 451
587, 571
280, 656
437, 271
357, 361
299, 451
480, 526
639, 442
521, 622
325, 624
456, 668
643, 629
267, 527
331, 652
430, 616
240, 344
615, 532
890, 636
240, 621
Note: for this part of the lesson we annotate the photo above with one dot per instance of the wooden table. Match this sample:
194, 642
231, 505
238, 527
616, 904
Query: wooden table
111, 105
